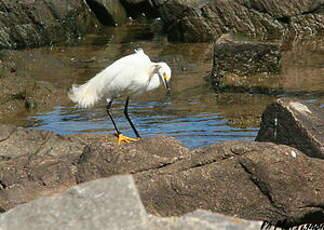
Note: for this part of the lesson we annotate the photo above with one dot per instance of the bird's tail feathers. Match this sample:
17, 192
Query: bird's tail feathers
84, 95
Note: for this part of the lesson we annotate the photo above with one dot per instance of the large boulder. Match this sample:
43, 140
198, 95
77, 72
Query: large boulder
27, 23
252, 180
234, 59
112, 203
204, 20
290, 68
296, 124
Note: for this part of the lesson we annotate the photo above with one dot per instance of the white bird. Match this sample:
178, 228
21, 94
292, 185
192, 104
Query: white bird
131, 75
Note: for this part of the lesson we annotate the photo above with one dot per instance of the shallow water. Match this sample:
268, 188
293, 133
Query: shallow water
194, 114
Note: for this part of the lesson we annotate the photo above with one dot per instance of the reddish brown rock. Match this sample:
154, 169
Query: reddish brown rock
262, 181
296, 124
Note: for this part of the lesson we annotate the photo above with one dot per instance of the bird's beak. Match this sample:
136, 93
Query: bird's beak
168, 88
166, 82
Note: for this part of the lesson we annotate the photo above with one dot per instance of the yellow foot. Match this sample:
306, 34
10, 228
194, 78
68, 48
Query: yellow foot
122, 138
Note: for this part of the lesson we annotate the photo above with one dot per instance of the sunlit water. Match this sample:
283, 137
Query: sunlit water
193, 130
194, 114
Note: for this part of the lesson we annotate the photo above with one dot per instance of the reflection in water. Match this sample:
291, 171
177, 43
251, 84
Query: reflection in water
194, 114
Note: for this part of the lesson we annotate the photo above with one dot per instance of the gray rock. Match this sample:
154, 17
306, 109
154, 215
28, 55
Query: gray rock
102, 204
204, 220
111, 203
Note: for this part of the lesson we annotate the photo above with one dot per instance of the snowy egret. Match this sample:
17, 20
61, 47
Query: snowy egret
131, 75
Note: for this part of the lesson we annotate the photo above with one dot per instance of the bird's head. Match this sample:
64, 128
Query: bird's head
164, 72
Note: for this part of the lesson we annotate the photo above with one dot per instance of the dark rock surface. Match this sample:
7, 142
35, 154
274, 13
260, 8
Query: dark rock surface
140, 8
243, 58
37, 23
293, 123
204, 20
27, 23
108, 12
111, 203
134, 1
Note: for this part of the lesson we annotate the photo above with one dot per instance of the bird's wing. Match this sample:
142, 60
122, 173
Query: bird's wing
118, 76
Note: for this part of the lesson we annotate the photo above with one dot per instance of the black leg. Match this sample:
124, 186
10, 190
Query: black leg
111, 118
129, 120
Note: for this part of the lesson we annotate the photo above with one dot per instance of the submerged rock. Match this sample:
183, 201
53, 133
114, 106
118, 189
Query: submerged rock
27, 23
204, 20
290, 68
25, 84
295, 124
21, 94
233, 58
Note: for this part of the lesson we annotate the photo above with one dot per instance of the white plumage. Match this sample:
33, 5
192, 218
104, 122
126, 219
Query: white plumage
130, 75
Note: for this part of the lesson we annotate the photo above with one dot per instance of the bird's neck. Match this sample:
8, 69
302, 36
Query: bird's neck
154, 83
